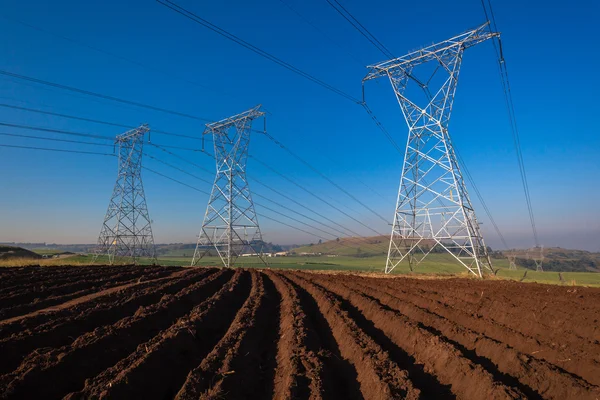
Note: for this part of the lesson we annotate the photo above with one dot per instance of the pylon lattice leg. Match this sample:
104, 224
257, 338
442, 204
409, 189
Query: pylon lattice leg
433, 207
126, 232
230, 225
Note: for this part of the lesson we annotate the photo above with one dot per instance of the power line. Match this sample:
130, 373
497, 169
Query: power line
503, 70
188, 14
289, 6
208, 194
108, 53
101, 96
322, 175
59, 150
161, 147
55, 140
315, 195
357, 25
62, 132
261, 215
177, 168
95, 121
480, 197
277, 203
174, 180
287, 198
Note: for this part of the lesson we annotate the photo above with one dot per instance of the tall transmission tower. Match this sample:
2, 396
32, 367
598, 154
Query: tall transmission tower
433, 207
230, 224
126, 232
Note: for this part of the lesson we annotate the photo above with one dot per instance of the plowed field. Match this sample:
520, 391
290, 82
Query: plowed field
167, 332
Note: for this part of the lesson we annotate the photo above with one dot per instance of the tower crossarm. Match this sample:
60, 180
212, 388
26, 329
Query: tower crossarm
224, 124
139, 131
410, 60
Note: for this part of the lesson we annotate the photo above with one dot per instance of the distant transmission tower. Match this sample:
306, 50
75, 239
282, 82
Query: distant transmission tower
537, 255
126, 232
512, 258
230, 225
433, 207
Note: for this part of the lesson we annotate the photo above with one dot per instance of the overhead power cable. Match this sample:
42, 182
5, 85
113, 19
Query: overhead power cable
315, 195
480, 197
190, 15
59, 150
503, 70
359, 27
82, 134
259, 214
54, 140
95, 121
117, 56
322, 175
171, 179
60, 131
177, 168
289, 6
102, 96
292, 200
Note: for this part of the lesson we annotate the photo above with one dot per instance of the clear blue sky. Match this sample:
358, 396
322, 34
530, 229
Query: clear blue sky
54, 197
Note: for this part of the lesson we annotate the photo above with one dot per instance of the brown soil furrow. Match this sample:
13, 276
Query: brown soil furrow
40, 276
440, 357
63, 331
545, 379
299, 369
158, 368
52, 373
26, 324
586, 299
37, 304
243, 363
581, 357
493, 298
378, 375
47, 287
82, 302
564, 335
339, 377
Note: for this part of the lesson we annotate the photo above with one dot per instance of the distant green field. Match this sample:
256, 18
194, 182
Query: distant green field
434, 264
46, 252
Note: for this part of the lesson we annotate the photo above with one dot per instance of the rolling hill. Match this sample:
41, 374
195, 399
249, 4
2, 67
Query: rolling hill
555, 258
14, 252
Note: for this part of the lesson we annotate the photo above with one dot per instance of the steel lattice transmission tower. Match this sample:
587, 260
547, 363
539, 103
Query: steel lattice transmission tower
537, 255
433, 207
230, 224
126, 232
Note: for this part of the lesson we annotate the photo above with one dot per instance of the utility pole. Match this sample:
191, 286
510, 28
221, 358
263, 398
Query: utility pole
433, 207
230, 217
126, 232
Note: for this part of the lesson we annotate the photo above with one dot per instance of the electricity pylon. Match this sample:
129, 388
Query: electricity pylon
512, 258
230, 224
126, 232
537, 255
433, 207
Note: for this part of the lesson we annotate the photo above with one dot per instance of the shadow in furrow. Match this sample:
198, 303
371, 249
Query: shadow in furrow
340, 379
428, 384
486, 363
